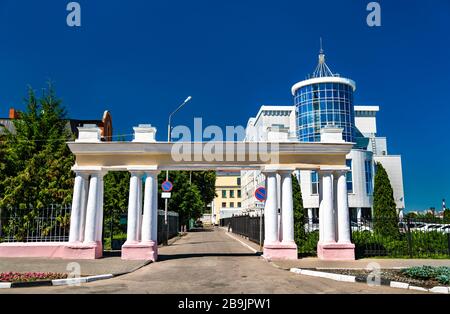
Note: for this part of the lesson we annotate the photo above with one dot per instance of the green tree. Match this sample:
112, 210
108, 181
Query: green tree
447, 215
117, 186
299, 213
184, 194
192, 204
206, 184
186, 199
35, 160
38, 162
384, 207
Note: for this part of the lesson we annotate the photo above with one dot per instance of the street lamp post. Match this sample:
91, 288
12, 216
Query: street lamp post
169, 138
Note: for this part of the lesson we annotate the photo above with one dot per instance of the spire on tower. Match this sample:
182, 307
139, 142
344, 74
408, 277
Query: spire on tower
322, 69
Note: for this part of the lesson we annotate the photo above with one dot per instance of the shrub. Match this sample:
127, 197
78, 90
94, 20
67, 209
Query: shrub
308, 245
441, 274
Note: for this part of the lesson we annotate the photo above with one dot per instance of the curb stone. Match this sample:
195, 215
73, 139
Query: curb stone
72, 281
363, 279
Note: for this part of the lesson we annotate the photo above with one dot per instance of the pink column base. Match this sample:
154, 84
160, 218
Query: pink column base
51, 250
336, 251
85, 251
280, 251
147, 251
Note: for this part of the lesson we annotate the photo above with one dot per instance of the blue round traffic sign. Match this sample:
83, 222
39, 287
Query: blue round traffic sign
261, 194
167, 186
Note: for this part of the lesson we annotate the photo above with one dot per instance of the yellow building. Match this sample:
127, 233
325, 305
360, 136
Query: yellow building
229, 196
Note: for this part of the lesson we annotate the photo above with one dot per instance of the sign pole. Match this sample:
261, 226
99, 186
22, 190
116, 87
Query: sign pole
261, 195
166, 221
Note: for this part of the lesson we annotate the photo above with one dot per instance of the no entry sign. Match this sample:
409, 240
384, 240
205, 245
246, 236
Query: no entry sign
167, 186
261, 194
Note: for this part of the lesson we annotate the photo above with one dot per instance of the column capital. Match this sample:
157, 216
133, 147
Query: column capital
82, 173
91, 170
99, 173
138, 173
152, 172
286, 172
342, 171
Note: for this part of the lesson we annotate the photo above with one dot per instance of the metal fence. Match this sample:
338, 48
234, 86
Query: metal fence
173, 222
52, 224
246, 226
49, 224
393, 237
382, 237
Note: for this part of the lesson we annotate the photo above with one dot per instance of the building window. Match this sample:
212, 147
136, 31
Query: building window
369, 177
350, 177
224, 205
232, 205
231, 193
314, 182
224, 194
239, 194
239, 205
239, 181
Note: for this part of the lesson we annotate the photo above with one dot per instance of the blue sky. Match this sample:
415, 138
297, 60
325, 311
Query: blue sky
140, 59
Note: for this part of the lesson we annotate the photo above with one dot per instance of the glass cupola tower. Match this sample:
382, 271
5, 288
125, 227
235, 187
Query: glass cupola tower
324, 99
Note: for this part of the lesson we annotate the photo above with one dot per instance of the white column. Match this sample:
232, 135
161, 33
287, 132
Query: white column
76, 216
92, 207
83, 208
139, 208
99, 218
310, 219
279, 208
133, 208
342, 208
327, 204
321, 214
359, 216
288, 207
271, 209
150, 218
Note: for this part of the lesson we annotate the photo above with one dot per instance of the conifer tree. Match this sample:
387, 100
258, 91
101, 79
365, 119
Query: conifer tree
299, 214
384, 207
37, 162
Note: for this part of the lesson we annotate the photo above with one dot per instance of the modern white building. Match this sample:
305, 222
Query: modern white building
326, 99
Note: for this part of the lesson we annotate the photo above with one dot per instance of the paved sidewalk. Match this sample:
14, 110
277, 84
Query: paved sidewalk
315, 263
112, 264
360, 264
108, 265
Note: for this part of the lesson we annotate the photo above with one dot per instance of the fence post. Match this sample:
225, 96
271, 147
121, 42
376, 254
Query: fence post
448, 243
409, 237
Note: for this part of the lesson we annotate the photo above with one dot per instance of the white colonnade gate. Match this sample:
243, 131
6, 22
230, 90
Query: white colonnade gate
144, 157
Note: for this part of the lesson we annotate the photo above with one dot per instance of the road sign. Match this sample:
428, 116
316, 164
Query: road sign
166, 194
261, 194
167, 186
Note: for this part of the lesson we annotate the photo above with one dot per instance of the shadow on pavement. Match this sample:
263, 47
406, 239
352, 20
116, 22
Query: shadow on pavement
163, 257
201, 230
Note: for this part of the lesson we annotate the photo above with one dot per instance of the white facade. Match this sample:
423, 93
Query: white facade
361, 160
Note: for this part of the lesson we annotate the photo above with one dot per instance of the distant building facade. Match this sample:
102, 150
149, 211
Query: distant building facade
326, 99
105, 124
229, 197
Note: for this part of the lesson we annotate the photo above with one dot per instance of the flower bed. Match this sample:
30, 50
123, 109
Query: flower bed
426, 276
30, 277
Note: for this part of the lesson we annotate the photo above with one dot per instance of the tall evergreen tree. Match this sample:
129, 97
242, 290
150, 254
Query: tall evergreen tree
299, 213
36, 160
384, 207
